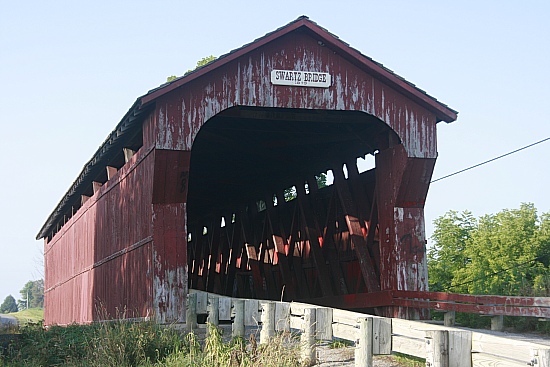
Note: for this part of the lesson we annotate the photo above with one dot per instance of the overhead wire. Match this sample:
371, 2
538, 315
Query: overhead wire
491, 160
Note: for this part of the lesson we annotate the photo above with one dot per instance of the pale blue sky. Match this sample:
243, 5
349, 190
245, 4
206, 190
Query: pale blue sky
69, 70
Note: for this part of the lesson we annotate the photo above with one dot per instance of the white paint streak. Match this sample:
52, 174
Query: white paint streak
169, 290
340, 105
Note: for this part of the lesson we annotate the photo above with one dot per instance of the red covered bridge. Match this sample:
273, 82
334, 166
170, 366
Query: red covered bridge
192, 187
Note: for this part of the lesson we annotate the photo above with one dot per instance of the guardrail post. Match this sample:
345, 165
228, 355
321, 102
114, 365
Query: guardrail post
363, 352
191, 312
381, 336
449, 318
437, 348
497, 323
238, 322
460, 348
268, 322
213, 310
307, 338
540, 358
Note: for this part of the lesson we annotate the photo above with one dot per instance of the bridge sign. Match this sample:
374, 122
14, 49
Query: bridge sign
300, 78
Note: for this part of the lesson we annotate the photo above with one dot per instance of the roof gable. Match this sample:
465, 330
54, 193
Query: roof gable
303, 23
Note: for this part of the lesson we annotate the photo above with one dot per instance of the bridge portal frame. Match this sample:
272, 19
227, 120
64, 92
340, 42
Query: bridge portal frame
119, 236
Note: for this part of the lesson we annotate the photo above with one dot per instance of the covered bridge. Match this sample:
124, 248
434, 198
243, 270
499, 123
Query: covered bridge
211, 182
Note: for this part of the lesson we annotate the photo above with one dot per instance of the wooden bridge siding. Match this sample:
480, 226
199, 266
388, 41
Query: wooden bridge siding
170, 281
246, 82
402, 184
102, 255
180, 114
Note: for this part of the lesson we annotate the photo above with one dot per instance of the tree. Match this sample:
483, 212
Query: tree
446, 257
509, 254
9, 305
34, 290
503, 254
200, 63
291, 194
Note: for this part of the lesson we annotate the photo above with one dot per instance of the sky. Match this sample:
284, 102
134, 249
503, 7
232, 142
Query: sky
69, 70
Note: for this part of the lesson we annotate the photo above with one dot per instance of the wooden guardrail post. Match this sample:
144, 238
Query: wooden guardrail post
191, 312
381, 336
437, 348
323, 323
307, 339
448, 348
363, 351
213, 310
540, 358
238, 322
268, 322
449, 318
497, 323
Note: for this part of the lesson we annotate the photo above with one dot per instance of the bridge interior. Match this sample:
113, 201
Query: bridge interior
260, 226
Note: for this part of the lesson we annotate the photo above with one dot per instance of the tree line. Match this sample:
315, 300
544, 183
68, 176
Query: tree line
507, 253
32, 296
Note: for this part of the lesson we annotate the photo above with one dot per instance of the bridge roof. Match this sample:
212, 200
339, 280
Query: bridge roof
124, 133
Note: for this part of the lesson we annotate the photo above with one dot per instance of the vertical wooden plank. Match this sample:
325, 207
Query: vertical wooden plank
251, 314
238, 322
323, 324
202, 302
225, 308
460, 348
381, 334
437, 348
540, 357
191, 312
282, 316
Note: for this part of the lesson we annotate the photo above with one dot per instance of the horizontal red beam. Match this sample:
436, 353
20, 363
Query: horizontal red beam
475, 304
476, 309
477, 299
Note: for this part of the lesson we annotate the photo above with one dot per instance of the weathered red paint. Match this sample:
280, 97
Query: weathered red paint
243, 79
97, 264
127, 245
477, 304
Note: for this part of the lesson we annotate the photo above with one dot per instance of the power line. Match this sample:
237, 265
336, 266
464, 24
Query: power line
491, 160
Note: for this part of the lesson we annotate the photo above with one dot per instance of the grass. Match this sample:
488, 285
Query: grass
142, 344
31, 315
340, 343
408, 361
147, 344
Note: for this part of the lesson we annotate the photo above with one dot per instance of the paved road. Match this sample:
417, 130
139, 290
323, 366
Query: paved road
6, 321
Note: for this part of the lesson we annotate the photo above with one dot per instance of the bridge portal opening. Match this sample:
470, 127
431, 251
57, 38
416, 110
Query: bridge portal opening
262, 223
